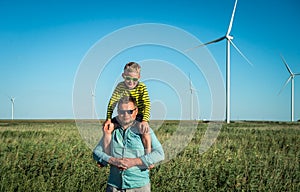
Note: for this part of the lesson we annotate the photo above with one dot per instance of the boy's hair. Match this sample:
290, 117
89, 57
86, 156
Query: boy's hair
127, 99
132, 67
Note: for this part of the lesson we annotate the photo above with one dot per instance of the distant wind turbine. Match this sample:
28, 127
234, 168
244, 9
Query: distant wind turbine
291, 78
12, 99
229, 38
192, 91
93, 104
192, 101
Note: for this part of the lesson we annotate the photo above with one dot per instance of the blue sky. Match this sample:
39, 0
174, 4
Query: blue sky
44, 42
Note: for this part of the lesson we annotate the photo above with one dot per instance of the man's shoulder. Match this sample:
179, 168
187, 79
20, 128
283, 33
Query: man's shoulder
135, 128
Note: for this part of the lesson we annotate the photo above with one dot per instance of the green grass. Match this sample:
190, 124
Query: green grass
247, 156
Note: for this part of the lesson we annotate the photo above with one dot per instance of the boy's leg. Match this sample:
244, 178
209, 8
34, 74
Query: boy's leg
139, 117
115, 121
146, 138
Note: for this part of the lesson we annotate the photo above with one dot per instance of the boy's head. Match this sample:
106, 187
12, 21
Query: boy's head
132, 67
131, 74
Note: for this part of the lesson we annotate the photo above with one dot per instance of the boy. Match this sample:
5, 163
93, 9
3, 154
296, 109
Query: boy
132, 86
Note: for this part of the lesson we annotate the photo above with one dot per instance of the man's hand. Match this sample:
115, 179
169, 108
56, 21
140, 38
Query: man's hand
117, 162
144, 127
125, 163
130, 162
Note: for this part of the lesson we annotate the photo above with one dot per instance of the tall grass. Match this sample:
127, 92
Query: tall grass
51, 156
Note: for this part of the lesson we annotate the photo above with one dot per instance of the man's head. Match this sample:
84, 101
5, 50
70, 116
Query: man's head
127, 111
131, 74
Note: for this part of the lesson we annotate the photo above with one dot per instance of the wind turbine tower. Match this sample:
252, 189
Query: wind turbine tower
291, 78
93, 104
229, 41
192, 101
192, 91
12, 107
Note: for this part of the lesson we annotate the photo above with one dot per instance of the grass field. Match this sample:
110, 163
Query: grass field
247, 156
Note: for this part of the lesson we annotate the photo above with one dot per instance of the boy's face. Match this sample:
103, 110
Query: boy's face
131, 79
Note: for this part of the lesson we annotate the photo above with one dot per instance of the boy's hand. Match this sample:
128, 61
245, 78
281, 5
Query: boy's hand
108, 127
144, 127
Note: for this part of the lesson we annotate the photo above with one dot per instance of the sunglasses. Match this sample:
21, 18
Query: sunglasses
128, 78
122, 112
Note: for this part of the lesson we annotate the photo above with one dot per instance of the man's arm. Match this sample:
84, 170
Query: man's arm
100, 155
146, 161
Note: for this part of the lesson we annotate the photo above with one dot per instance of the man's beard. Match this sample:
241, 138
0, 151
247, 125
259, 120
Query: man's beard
125, 123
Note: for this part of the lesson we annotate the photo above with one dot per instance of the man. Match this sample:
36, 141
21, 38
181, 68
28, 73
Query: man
123, 149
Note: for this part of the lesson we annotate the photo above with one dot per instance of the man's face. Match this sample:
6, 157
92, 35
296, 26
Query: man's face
127, 113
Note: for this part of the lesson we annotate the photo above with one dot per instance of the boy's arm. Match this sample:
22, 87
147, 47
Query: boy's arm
147, 104
110, 108
113, 101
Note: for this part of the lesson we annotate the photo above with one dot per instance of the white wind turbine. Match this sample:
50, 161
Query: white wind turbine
12, 99
291, 78
192, 91
93, 104
192, 101
229, 38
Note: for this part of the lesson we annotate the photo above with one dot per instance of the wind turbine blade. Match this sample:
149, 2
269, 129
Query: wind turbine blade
215, 41
204, 44
296, 74
286, 65
190, 83
287, 81
241, 53
231, 20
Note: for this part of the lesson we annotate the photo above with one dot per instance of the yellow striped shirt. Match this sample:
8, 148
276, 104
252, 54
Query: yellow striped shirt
140, 93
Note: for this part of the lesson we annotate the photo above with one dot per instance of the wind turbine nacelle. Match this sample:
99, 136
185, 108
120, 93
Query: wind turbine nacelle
229, 37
